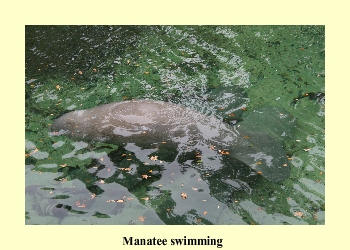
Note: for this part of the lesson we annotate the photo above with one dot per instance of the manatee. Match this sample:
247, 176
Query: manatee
149, 124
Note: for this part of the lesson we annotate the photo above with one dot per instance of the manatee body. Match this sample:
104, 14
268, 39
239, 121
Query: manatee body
148, 123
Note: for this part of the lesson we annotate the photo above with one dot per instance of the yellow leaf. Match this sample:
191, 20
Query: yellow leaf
183, 195
142, 218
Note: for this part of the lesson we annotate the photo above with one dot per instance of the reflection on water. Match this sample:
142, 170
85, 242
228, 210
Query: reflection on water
79, 67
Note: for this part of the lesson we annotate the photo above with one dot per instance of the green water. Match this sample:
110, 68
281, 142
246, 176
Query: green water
79, 67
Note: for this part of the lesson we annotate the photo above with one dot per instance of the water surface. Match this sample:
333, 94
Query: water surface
79, 67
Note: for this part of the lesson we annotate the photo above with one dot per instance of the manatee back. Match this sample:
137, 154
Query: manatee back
143, 122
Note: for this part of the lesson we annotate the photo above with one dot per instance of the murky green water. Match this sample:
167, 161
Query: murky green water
79, 67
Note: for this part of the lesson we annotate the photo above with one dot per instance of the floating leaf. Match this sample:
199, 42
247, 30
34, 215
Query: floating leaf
184, 196
142, 218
